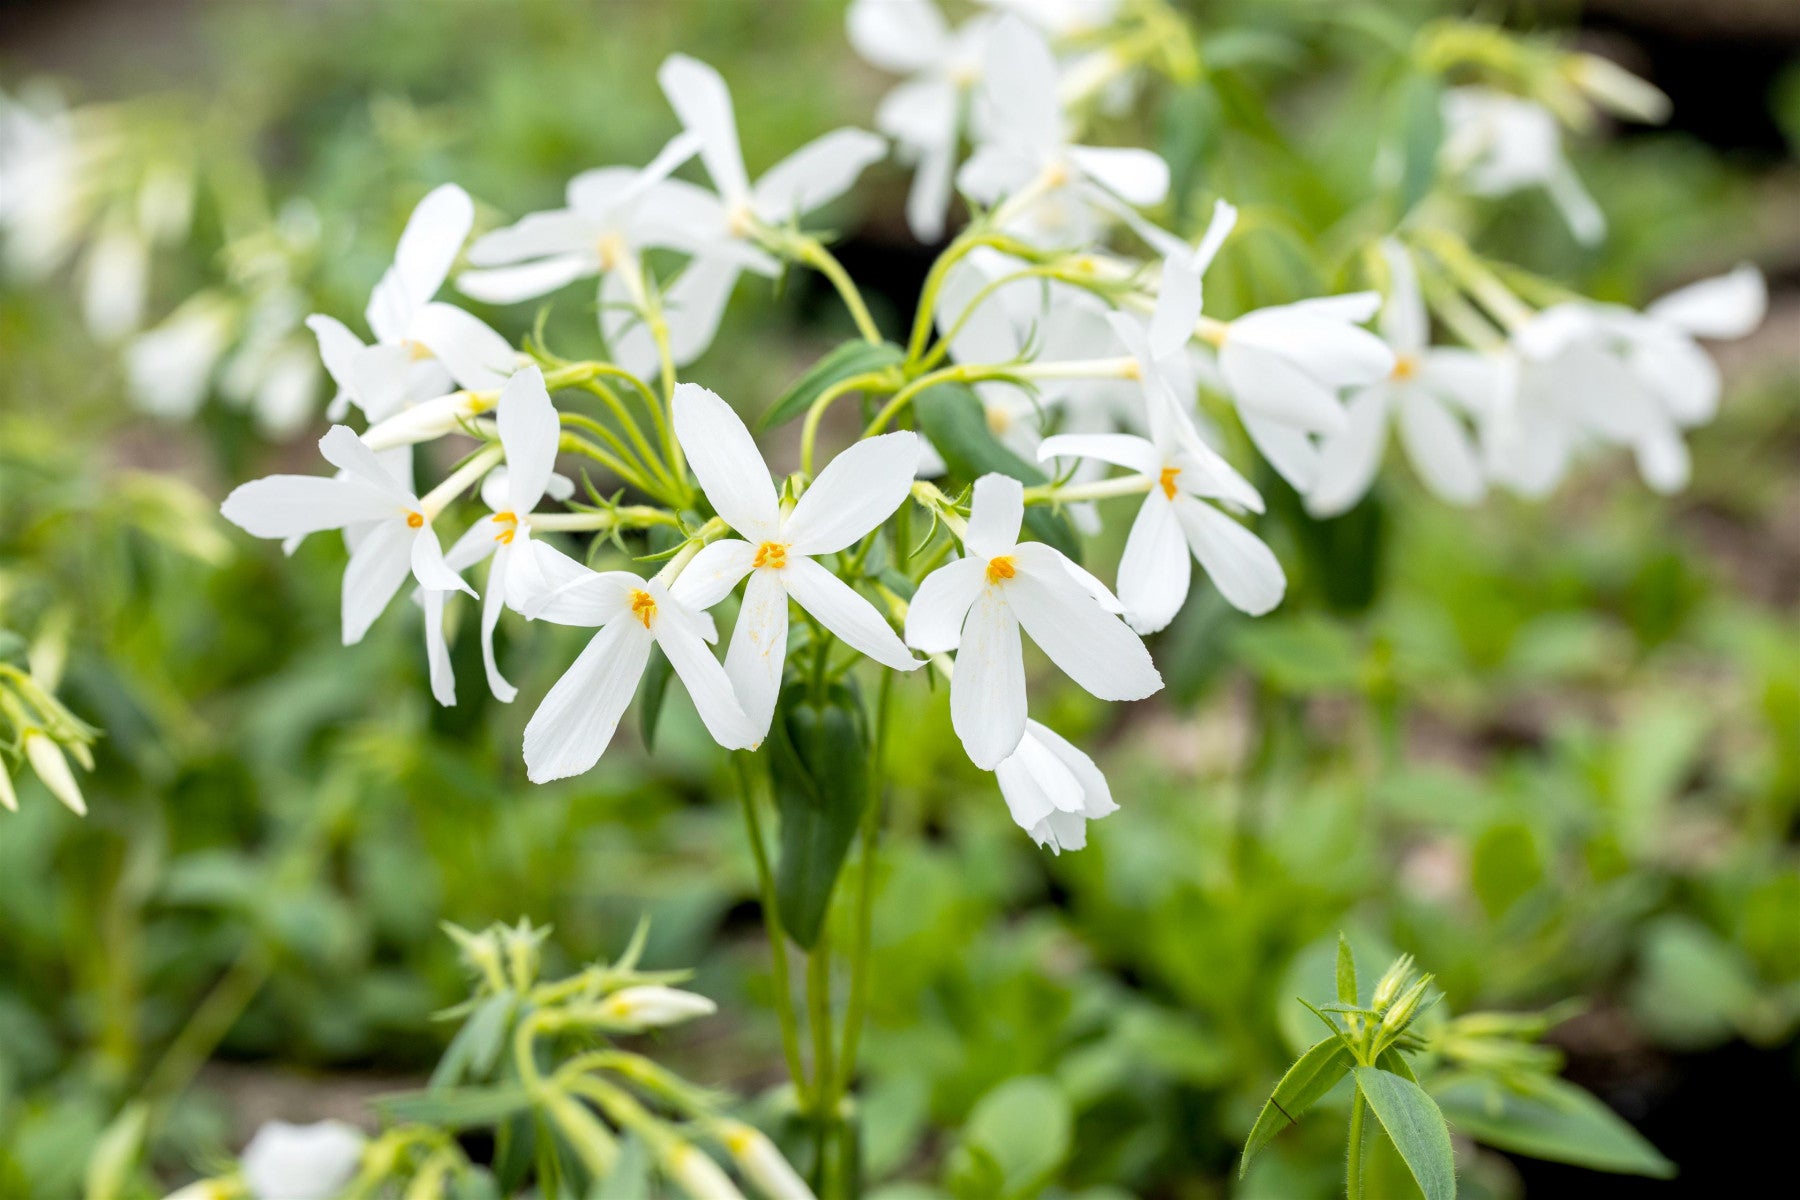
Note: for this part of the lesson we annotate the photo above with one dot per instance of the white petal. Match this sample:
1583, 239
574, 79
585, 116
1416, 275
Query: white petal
1403, 319
437, 650
694, 305
284, 506
476, 357
509, 285
302, 1162
493, 600
1468, 379
707, 684
1121, 449
725, 460
713, 572
1663, 461
1289, 450
554, 587
429, 567
622, 325
1096, 796
987, 692
1018, 87
1349, 458
1156, 568
816, 174
1238, 562
901, 36
571, 728
701, 100
995, 515
934, 619
529, 432
1087, 643
559, 232
758, 648
378, 566
1034, 783
1585, 219
1177, 308
1441, 448
1135, 175
349, 454
855, 493
928, 200
1682, 374
1268, 385
846, 613
1726, 306
429, 244
1330, 350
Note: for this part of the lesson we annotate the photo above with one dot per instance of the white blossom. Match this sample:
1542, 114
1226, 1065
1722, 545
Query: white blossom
1497, 144
302, 1162
1052, 789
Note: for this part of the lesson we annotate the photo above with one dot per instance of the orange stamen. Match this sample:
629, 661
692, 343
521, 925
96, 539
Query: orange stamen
643, 607
1167, 481
771, 554
1001, 568
415, 520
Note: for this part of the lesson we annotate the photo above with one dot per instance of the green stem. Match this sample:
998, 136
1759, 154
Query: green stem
778, 962
815, 413
217, 1013
818, 1017
1353, 1169
861, 948
813, 253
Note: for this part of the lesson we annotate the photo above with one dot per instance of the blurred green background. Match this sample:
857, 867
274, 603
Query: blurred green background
1552, 750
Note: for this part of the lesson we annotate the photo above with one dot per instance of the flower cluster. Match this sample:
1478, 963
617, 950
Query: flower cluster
1036, 341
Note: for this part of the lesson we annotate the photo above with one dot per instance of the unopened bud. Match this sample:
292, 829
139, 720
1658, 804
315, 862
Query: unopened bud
697, 1174
9, 799
1392, 982
762, 1164
1406, 1007
1617, 90
208, 1189
47, 760
652, 1006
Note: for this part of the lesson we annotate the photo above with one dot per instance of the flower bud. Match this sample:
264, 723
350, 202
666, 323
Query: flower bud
762, 1164
1403, 1009
9, 799
208, 1189
652, 1006
697, 1174
51, 767
1617, 90
1391, 983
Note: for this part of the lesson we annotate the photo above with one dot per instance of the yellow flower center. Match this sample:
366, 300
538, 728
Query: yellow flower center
740, 221
418, 350
510, 519
612, 250
998, 420
771, 554
1405, 367
1166, 481
415, 520
643, 607
1001, 568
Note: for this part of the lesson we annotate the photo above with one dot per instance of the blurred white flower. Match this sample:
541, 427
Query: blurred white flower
52, 769
170, 367
761, 1162
1498, 143
653, 1006
976, 605
302, 1162
1061, 18
1052, 789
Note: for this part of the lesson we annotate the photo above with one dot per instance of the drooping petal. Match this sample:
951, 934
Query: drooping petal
429, 244
1268, 385
351, 455
1121, 449
1349, 458
529, 433
1289, 450
855, 493
816, 174
695, 303
901, 36
987, 692
527, 281
1726, 306
708, 684
378, 566
571, 728
428, 565
476, 357
1177, 309
935, 617
1087, 643
758, 648
558, 232
1663, 460
437, 650
713, 572
1404, 322
1682, 375
1440, 447
493, 600
1034, 783
283, 506
1135, 175
995, 515
1238, 562
846, 613
701, 100
1156, 568
928, 200
1018, 88
725, 460
1096, 796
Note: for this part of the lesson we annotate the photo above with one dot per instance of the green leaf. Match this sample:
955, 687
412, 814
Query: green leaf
651, 694
853, 358
1549, 1119
456, 1108
1504, 865
1024, 1128
476, 1046
1392, 1060
819, 759
1420, 119
1413, 1121
1346, 972
1316, 1072
951, 415
630, 1177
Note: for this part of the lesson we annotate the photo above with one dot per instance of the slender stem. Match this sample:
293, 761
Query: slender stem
479, 464
813, 253
818, 1018
815, 413
784, 989
633, 516
861, 948
1102, 489
1353, 1167
217, 1013
576, 444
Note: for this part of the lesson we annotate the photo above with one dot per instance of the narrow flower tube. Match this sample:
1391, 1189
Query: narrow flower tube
47, 760
761, 1163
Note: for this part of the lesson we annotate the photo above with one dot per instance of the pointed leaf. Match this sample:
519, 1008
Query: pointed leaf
1411, 1118
1553, 1120
853, 358
818, 758
1346, 972
1316, 1073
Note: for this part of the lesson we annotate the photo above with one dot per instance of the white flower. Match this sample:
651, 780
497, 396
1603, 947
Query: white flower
302, 1162
115, 280
572, 727
855, 493
1061, 18
1052, 789
612, 213
1429, 395
697, 1174
976, 605
394, 532
1498, 143
653, 1006
761, 1162
421, 346
924, 113
529, 434
45, 198
1024, 143
169, 367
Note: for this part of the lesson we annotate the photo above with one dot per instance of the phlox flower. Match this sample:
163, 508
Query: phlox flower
1429, 397
1052, 789
393, 532
776, 548
1061, 18
976, 605
302, 1162
1498, 144
573, 726
1023, 142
